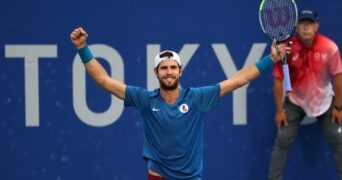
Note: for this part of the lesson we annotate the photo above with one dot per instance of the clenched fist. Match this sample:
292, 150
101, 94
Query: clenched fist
78, 37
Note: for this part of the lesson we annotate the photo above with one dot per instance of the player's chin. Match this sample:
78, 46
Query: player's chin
307, 36
169, 85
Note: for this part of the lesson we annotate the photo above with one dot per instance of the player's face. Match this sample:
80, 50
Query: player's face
307, 29
168, 73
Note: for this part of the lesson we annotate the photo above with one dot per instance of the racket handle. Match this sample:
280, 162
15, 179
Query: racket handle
286, 73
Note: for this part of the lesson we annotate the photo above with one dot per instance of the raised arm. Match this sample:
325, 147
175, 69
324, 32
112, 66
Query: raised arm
78, 37
247, 74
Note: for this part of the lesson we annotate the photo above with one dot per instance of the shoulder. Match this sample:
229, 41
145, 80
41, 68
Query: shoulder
322, 37
203, 89
140, 90
324, 42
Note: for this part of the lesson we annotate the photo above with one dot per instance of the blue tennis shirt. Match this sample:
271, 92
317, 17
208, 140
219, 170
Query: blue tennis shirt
173, 133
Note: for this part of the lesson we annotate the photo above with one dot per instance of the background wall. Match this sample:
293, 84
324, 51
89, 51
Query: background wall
48, 130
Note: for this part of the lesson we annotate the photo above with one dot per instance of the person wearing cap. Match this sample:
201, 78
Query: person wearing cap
172, 116
314, 61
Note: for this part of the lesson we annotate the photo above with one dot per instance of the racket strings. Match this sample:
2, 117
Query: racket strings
278, 18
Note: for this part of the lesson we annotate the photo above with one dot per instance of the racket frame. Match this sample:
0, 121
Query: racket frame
287, 83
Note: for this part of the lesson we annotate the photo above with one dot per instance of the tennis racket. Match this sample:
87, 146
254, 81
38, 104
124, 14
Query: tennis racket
278, 19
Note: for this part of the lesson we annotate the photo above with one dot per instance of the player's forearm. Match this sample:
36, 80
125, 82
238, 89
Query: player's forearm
93, 67
246, 75
100, 75
97, 72
239, 79
278, 94
338, 89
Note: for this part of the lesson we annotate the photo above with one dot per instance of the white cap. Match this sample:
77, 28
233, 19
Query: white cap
159, 59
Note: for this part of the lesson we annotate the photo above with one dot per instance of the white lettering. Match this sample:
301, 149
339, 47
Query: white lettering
31, 54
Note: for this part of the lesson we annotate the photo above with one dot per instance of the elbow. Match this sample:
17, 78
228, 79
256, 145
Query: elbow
101, 81
240, 81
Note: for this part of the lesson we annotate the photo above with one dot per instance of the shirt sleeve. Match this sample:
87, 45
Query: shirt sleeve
206, 97
277, 70
136, 97
335, 62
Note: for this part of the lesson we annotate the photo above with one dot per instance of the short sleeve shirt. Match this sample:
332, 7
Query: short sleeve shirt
173, 133
311, 70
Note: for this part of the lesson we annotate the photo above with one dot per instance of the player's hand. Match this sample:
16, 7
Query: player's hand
78, 37
278, 52
281, 119
337, 116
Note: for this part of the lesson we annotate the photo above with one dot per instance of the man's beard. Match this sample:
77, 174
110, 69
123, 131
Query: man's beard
168, 87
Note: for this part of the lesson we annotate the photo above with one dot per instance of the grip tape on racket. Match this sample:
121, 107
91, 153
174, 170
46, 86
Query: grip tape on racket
287, 80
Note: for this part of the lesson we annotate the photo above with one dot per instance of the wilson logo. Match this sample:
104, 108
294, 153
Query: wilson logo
278, 16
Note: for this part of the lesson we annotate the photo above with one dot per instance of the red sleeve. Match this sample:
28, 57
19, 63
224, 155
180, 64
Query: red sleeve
277, 70
335, 62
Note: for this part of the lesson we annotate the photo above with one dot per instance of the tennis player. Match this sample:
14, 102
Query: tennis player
314, 62
172, 116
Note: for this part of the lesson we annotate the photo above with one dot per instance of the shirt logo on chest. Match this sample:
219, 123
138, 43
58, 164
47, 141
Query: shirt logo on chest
317, 56
183, 108
155, 109
324, 57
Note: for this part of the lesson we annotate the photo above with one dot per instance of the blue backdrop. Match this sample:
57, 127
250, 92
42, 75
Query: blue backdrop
56, 124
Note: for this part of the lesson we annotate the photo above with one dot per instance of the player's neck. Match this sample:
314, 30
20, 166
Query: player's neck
170, 96
308, 43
